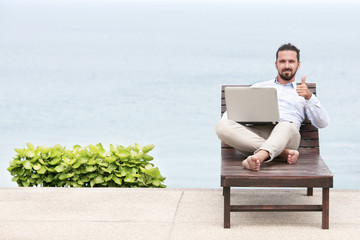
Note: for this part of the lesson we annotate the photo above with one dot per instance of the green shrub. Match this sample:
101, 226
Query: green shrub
91, 166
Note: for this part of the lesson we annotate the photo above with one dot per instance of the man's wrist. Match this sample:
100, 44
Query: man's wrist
308, 98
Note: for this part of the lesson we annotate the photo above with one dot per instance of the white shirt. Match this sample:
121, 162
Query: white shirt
294, 108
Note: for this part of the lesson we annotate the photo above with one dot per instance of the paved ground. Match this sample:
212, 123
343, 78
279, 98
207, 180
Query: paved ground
68, 213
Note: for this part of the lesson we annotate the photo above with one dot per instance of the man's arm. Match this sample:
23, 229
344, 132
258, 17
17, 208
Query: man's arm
314, 111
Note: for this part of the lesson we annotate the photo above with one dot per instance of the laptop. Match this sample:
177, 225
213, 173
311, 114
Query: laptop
252, 105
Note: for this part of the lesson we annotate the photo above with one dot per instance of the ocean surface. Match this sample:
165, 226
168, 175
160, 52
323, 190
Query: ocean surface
150, 72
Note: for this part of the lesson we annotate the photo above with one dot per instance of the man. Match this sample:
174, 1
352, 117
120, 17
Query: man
265, 142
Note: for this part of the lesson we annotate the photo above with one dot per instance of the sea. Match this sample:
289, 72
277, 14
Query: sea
150, 72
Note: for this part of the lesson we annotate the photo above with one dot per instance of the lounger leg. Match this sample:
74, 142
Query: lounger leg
310, 191
226, 192
325, 208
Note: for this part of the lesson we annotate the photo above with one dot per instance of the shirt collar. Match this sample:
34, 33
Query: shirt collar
292, 84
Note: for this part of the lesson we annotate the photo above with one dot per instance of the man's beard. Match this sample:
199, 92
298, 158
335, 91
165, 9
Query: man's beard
287, 77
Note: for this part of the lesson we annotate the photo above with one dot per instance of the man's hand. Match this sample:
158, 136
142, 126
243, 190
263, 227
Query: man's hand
303, 90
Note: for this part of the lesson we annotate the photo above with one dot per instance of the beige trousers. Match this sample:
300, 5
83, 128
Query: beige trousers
250, 139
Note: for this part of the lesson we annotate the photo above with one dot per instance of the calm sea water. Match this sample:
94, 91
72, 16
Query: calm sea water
120, 72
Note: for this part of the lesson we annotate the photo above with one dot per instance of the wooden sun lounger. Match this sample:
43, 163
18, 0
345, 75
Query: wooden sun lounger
309, 172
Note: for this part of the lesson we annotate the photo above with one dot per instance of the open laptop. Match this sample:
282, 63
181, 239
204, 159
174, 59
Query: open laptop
251, 105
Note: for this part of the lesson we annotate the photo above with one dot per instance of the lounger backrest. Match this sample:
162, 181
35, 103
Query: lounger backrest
309, 134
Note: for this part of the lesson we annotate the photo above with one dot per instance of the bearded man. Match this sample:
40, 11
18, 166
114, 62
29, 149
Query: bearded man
265, 142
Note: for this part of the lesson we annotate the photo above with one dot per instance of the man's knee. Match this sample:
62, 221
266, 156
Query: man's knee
288, 127
222, 128
293, 134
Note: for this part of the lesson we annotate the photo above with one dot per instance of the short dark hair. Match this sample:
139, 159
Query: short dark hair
288, 47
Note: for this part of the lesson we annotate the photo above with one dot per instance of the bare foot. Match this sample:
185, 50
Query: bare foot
293, 156
251, 163
290, 156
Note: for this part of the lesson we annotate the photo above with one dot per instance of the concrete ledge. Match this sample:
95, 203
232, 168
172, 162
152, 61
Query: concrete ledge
109, 213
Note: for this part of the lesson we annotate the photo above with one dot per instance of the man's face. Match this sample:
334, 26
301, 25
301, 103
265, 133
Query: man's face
287, 64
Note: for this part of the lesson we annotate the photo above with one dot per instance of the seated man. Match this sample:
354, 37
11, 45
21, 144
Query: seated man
265, 142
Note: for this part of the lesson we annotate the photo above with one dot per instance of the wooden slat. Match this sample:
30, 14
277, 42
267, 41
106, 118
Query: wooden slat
272, 208
311, 143
309, 135
307, 127
311, 86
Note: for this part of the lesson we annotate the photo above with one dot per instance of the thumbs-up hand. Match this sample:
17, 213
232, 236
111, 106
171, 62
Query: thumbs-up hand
302, 90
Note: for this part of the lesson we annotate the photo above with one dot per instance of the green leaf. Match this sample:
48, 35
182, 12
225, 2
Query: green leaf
76, 165
81, 183
135, 155
156, 182
117, 180
27, 165
129, 179
34, 159
42, 170
154, 172
93, 149
35, 175
30, 146
30, 153
103, 170
59, 148
148, 148
60, 168
41, 161
66, 160
112, 167
15, 163
107, 178
77, 148
147, 157
39, 181
101, 148
20, 151
149, 166
85, 179
75, 184
37, 166
11, 169
49, 169
83, 159
43, 149
119, 147
15, 179
91, 168
137, 148
110, 159
99, 179
64, 176
91, 161
112, 148
92, 175
102, 162
48, 178
123, 154
92, 183
55, 161
26, 183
